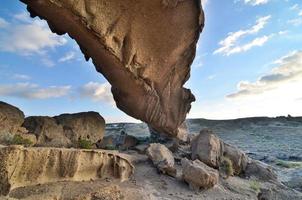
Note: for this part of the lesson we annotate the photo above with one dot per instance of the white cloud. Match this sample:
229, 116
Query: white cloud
98, 92
295, 22
229, 45
33, 91
67, 57
22, 77
204, 2
254, 2
27, 36
3, 23
284, 78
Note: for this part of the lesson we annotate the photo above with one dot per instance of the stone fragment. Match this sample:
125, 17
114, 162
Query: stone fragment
198, 175
162, 158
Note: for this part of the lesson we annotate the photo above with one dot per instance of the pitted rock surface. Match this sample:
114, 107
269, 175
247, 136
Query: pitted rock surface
144, 49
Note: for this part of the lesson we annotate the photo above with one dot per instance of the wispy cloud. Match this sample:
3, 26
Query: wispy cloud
230, 45
33, 91
67, 57
97, 92
298, 20
26, 36
254, 2
22, 77
288, 71
3, 23
295, 22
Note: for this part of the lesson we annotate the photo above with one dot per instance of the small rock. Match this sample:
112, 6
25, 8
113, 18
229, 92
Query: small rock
198, 175
162, 158
142, 148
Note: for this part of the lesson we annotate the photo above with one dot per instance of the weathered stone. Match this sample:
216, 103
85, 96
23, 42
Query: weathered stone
207, 148
11, 119
21, 167
239, 158
121, 142
198, 175
144, 49
260, 170
162, 158
47, 131
66, 130
141, 148
86, 125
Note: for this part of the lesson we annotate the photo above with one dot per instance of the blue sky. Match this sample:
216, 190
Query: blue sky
248, 63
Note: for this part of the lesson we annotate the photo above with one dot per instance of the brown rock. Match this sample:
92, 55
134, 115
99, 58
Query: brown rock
21, 167
260, 170
162, 158
207, 148
198, 175
86, 125
142, 148
239, 158
11, 119
67, 129
47, 131
144, 49
121, 142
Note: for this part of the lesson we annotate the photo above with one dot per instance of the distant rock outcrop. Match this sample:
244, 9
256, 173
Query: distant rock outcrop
67, 129
21, 167
144, 49
11, 119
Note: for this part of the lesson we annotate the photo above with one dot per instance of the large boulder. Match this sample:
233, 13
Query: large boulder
47, 131
11, 119
143, 48
162, 158
207, 148
86, 125
239, 158
66, 130
198, 175
21, 167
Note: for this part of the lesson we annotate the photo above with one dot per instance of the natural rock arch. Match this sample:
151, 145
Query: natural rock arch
144, 48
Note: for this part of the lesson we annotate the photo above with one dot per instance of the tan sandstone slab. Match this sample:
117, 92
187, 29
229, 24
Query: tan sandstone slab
21, 166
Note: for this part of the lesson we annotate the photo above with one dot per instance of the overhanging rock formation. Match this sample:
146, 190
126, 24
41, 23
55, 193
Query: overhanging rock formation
144, 48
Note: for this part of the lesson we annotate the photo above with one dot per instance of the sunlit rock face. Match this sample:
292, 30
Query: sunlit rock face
20, 167
144, 48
